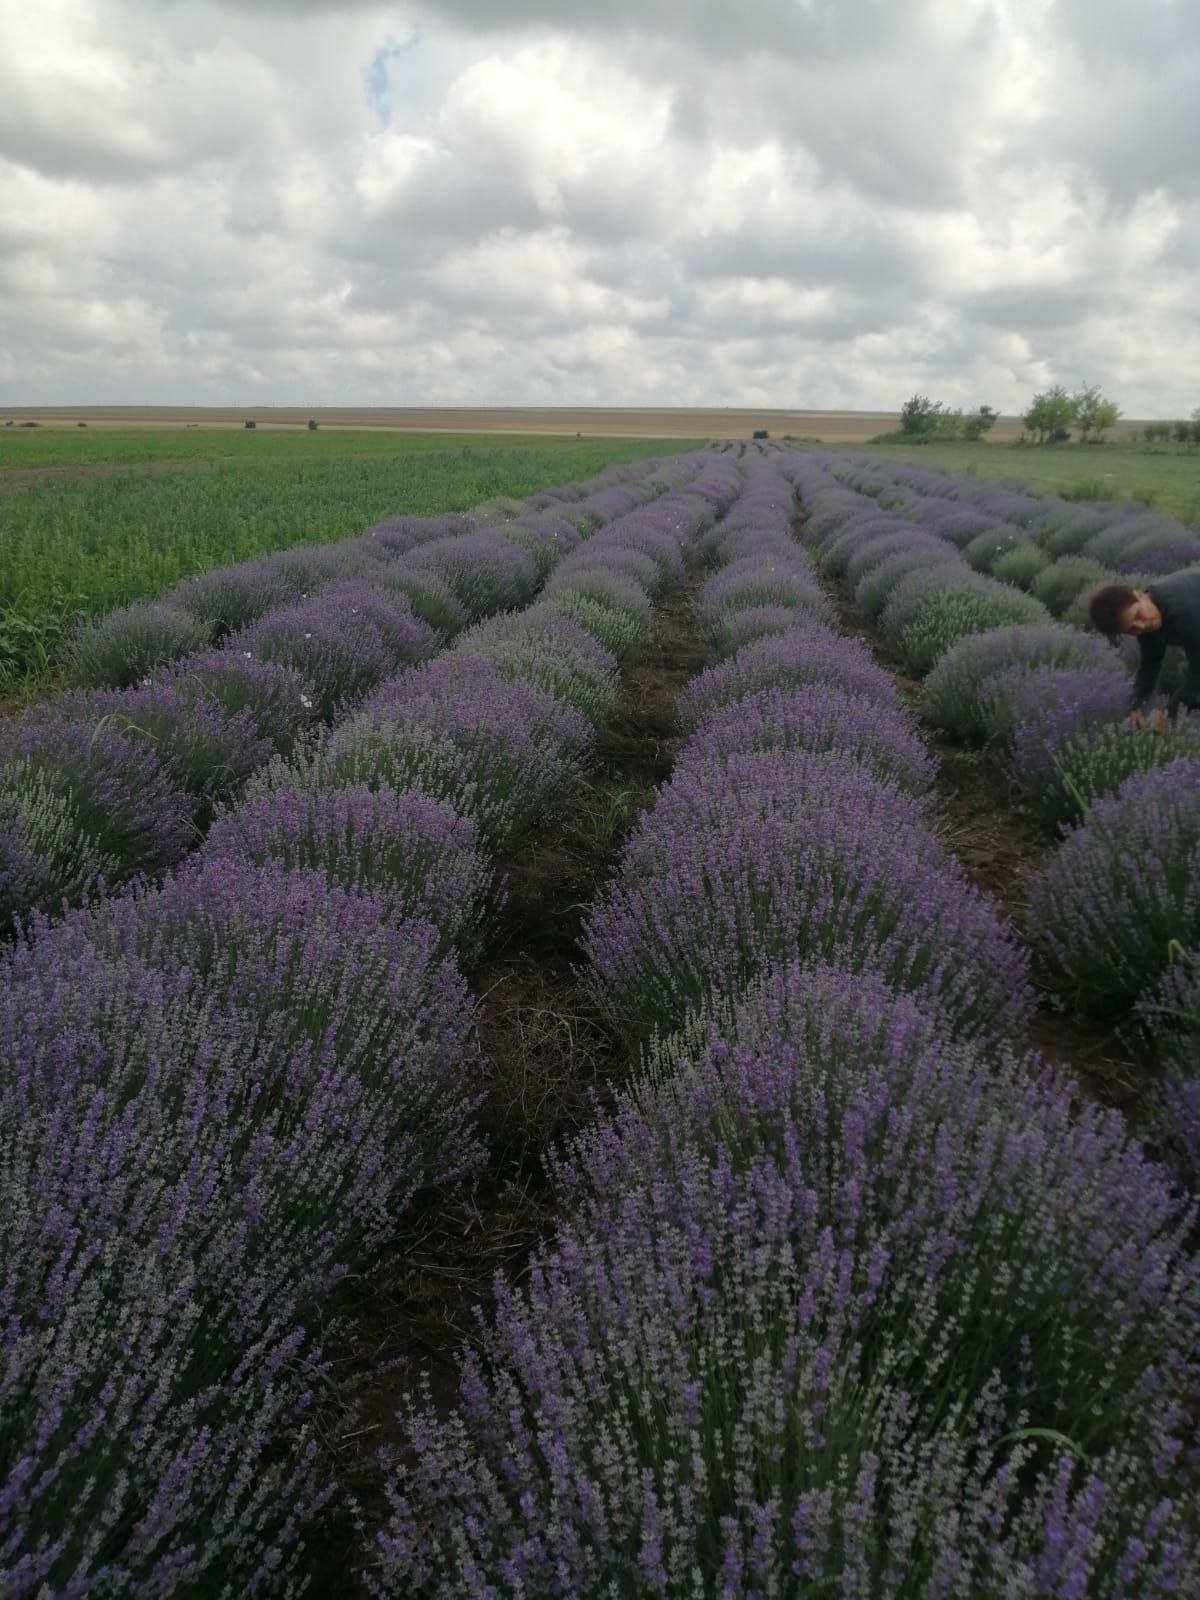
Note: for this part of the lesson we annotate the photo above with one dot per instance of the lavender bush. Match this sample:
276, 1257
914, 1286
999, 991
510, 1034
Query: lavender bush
207, 752
985, 549
486, 572
1020, 565
413, 854
823, 1321
743, 862
875, 587
431, 597
125, 646
620, 631
1170, 1015
213, 1098
128, 812
949, 615
816, 718
1096, 759
953, 695
812, 654
608, 560
497, 750
1122, 890
46, 861
541, 647
227, 598
1045, 718
733, 627
278, 702
343, 641
611, 589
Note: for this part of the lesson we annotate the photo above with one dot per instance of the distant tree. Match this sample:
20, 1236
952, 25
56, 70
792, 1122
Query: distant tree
977, 423
920, 417
1183, 432
312, 425
1156, 432
1051, 415
1196, 426
250, 423
760, 433
1093, 414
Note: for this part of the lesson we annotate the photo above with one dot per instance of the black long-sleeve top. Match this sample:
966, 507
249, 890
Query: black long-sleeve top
1178, 598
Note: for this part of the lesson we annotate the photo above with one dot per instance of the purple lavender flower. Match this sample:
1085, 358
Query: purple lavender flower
126, 810
540, 646
230, 597
816, 718
208, 752
414, 854
875, 587
757, 581
279, 702
808, 1297
1122, 890
212, 1099
431, 597
123, 647
499, 751
1046, 714
744, 861
955, 692
398, 535
486, 571
343, 641
812, 654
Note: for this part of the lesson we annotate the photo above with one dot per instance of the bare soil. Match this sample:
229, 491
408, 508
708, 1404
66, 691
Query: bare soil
392, 1332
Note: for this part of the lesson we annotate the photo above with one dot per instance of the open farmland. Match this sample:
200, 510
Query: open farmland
90, 520
638, 1042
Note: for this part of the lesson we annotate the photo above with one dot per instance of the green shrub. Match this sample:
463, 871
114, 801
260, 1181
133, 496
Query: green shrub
1060, 582
985, 549
1021, 564
122, 648
619, 631
952, 614
1099, 759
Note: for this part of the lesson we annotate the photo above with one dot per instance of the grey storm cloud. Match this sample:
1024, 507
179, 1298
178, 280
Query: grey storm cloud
796, 202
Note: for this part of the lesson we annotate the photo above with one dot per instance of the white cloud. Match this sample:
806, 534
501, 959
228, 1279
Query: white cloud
814, 202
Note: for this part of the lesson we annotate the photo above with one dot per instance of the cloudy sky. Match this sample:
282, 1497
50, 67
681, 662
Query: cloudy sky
815, 203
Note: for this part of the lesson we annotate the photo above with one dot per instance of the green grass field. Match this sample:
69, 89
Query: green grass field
92, 519
1164, 477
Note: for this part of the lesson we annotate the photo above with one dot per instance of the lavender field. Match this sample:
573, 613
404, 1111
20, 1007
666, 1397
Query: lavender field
648, 1045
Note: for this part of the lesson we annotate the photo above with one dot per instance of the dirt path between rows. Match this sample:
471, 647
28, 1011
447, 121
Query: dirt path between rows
551, 1056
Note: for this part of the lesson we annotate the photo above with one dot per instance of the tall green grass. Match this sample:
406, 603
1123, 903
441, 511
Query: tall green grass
92, 521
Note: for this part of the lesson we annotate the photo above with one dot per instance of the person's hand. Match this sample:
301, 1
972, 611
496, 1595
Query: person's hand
1161, 721
1134, 719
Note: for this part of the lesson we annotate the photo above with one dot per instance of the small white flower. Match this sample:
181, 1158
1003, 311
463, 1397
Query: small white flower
353, 611
249, 654
306, 702
308, 635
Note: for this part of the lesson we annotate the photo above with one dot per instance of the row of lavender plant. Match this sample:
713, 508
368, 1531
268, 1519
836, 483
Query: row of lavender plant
1115, 916
846, 1297
219, 1093
198, 691
1051, 698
